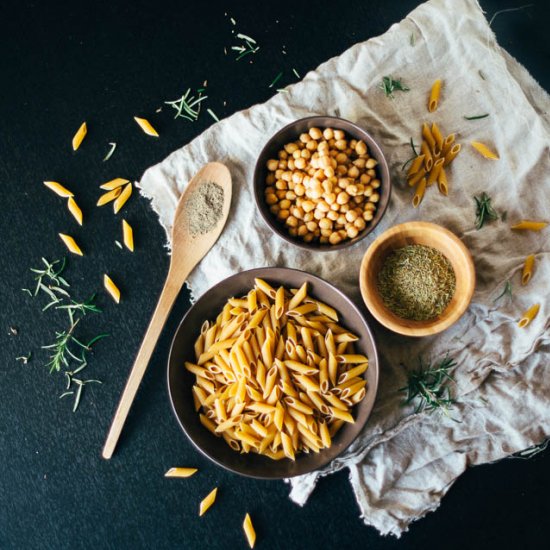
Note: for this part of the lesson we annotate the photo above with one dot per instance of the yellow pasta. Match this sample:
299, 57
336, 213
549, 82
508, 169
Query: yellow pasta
452, 153
434, 174
448, 142
79, 136
419, 193
428, 157
528, 269
415, 165
530, 225
207, 501
113, 184
122, 198
146, 126
484, 150
109, 196
128, 235
435, 92
249, 531
528, 316
180, 472
415, 178
267, 374
442, 183
111, 288
70, 243
58, 189
75, 210
438, 138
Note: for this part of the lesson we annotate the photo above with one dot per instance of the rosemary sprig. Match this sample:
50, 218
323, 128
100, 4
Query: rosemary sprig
61, 352
81, 307
476, 117
51, 274
484, 210
110, 152
415, 154
248, 46
389, 85
506, 291
188, 106
430, 386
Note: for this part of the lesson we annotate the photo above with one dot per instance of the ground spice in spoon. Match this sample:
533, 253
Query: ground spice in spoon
204, 208
416, 282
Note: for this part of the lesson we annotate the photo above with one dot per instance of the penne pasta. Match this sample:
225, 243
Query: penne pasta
113, 184
207, 501
70, 243
249, 531
428, 157
528, 316
428, 137
435, 92
442, 183
451, 154
78, 138
146, 126
58, 189
527, 272
482, 149
109, 196
434, 174
415, 165
111, 288
419, 193
415, 178
75, 210
180, 472
128, 235
120, 201
438, 138
530, 225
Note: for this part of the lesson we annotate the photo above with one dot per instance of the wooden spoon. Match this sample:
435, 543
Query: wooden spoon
187, 252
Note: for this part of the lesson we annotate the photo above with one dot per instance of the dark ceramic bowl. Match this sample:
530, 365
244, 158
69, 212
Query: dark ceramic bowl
180, 381
291, 133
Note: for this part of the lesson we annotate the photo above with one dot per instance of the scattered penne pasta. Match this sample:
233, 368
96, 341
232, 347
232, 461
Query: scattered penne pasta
120, 201
419, 193
249, 531
207, 501
271, 378
70, 243
527, 272
79, 136
528, 316
113, 184
435, 92
482, 149
58, 189
146, 126
75, 210
180, 472
529, 225
111, 288
128, 235
109, 196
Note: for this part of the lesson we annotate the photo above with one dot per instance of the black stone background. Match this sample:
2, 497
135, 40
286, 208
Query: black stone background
104, 62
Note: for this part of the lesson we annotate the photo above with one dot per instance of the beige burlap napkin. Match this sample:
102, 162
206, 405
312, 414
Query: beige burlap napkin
403, 463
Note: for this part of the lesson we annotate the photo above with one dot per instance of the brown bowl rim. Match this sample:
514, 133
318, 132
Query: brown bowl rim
438, 326
323, 121
374, 365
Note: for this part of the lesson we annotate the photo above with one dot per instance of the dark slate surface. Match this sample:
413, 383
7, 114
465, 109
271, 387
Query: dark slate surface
63, 62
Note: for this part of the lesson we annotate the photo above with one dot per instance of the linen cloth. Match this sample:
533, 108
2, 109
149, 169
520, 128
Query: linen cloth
403, 463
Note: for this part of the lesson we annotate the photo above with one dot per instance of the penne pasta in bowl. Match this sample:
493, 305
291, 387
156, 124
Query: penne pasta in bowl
272, 373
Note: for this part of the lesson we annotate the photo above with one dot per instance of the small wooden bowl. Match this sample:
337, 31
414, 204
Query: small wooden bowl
428, 234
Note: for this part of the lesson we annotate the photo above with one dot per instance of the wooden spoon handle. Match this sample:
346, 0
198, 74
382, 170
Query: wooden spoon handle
172, 286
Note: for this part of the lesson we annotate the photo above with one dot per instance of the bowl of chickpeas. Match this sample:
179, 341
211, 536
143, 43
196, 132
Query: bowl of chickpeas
322, 183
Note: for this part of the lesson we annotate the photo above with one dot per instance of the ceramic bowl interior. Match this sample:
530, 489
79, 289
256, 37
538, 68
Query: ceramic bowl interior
290, 133
180, 381
428, 234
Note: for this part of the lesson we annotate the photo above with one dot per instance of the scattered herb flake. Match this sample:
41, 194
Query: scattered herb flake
481, 74
110, 152
276, 79
508, 10
506, 291
484, 210
476, 117
389, 85
412, 39
24, 358
296, 73
118, 244
212, 114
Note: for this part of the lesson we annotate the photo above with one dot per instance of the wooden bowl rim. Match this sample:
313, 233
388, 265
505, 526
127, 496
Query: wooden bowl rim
433, 327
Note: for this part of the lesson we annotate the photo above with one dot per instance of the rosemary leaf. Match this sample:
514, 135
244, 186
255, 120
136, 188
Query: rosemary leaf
506, 291
276, 79
477, 117
110, 152
484, 210
389, 85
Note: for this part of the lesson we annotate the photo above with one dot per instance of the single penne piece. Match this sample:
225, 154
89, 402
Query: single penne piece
229, 423
324, 434
265, 287
231, 442
353, 372
352, 358
221, 413
325, 309
529, 225
307, 338
452, 153
75, 210
295, 403
241, 303
428, 157
111, 288
321, 345
332, 368
442, 183
300, 368
438, 138
528, 316
279, 302
298, 298
358, 396
415, 166
354, 388
484, 151
270, 380
323, 376
180, 472
256, 319
419, 193
247, 438
447, 144
415, 178
249, 531
278, 416
288, 447
304, 309
127, 235
109, 196
527, 272
252, 303
208, 424
78, 138
342, 415
345, 337
113, 184
301, 353
58, 189
308, 383
334, 426
427, 135
196, 401
200, 394
434, 174
146, 126
198, 371
120, 201
435, 92
207, 501
335, 402
330, 343
71, 245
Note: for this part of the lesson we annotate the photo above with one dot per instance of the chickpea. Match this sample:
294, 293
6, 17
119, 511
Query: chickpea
375, 197
341, 144
291, 221
335, 238
331, 142
352, 231
370, 206
271, 199
283, 214
300, 163
371, 163
290, 148
368, 215
365, 179
329, 172
341, 158
318, 215
326, 232
360, 189
299, 189
283, 155
270, 178
351, 215
287, 175
311, 145
281, 184
317, 232
361, 148
315, 133
327, 187
292, 232
323, 240
358, 199
339, 134
283, 165
335, 206
290, 165
315, 193
341, 170
360, 163
296, 154
304, 138
319, 174
360, 224
302, 230
325, 223
344, 208
308, 206
312, 226
330, 198
308, 217
281, 194
285, 204
274, 209
297, 212
368, 191
297, 177
323, 206
351, 190
353, 172
341, 220
278, 173
375, 184
305, 154
272, 165
342, 198
328, 133
371, 172
332, 215
308, 237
